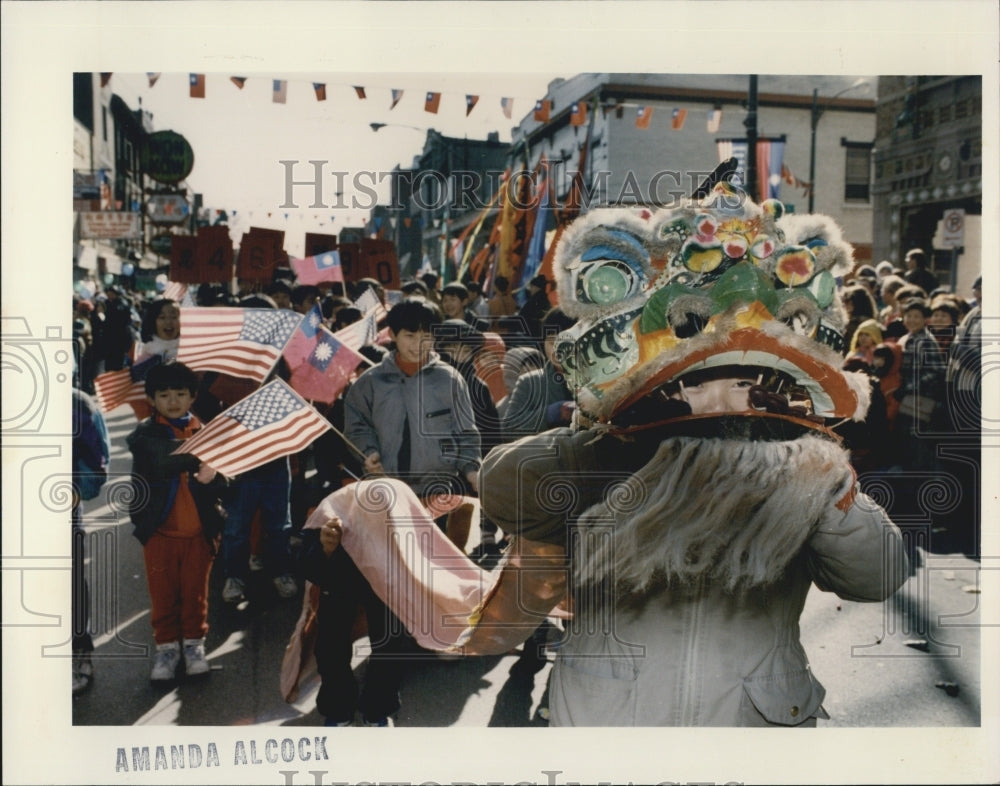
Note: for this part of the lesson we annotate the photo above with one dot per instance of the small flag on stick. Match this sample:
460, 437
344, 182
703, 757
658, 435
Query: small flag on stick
327, 369
322, 267
270, 423
241, 342
197, 85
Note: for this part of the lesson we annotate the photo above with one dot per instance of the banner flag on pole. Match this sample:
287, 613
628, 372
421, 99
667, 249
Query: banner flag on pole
677, 118
643, 116
714, 120
431, 102
543, 108
578, 114
197, 85
319, 268
270, 423
241, 342
320, 89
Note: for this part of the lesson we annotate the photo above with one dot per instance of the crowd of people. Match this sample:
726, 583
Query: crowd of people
453, 375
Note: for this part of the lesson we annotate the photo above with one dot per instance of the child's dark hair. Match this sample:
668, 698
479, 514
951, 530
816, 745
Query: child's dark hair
149, 316
278, 287
918, 304
171, 376
414, 314
304, 292
457, 289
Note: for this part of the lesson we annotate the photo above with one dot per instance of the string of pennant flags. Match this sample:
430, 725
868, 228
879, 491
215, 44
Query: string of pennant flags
542, 111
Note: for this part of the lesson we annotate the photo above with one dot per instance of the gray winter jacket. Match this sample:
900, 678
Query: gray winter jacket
685, 656
435, 406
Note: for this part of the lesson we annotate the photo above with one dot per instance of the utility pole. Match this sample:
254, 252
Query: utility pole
750, 121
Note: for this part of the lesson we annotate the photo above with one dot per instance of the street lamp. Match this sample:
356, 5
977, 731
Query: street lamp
817, 113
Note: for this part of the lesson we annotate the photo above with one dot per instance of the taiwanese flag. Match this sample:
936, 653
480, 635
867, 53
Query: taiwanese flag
241, 342
643, 116
432, 102
239, 81
397, 95
677, 118
153, 76
196, 84
543, 108
327, 369
270, 423
105, 78
360, 91
470, 104
578, 114
507, 105
320, 89
322, 267
303, 340
279, 90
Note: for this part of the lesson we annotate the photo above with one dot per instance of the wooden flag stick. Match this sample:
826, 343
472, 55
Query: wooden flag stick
348, 442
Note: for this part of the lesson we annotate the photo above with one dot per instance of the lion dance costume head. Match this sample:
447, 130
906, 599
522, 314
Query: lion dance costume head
720, 286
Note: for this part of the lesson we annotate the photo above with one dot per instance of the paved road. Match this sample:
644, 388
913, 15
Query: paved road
860, 652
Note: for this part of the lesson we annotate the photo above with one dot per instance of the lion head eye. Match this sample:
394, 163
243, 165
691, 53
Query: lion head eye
608, 282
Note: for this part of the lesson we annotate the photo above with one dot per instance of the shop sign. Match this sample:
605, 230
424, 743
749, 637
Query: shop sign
110, 225
167, 209
167, 157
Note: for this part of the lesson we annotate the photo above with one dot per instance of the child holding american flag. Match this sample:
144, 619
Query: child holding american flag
176, 518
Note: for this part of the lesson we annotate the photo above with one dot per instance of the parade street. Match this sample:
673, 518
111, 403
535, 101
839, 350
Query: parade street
912, 661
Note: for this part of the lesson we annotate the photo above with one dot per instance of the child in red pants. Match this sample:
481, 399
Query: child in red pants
176, 519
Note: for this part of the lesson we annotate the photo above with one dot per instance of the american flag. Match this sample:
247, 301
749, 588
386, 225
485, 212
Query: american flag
362, 332
114, 388
367, 302
175, 291
327, 369
268, 424
242, 342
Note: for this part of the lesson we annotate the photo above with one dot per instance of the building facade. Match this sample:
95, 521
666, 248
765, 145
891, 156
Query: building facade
928, 164
653, 138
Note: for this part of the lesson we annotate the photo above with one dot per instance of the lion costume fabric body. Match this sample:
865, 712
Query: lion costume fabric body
692, 539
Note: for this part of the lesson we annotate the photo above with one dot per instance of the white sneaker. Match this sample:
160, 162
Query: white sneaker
232, 591
286, 586
165, 663
194, 657
256, 563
